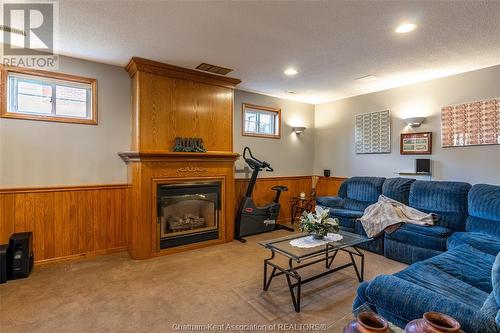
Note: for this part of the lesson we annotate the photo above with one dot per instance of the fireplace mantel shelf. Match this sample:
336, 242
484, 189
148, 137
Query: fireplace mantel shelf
164, 155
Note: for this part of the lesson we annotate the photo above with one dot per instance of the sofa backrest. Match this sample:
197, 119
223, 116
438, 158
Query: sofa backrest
446, 199
484, 209
360, 192
398, 188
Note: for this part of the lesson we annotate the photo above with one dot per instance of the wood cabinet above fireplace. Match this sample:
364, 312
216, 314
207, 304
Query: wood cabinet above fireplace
170, 101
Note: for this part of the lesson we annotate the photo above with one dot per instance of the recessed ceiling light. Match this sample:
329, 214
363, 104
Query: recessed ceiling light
290, 92
290, 71
367, 78
405, 27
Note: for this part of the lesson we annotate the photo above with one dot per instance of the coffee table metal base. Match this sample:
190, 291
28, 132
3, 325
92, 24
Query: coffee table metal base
291, 271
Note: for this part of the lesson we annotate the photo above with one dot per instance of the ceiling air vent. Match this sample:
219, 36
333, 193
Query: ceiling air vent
213, 69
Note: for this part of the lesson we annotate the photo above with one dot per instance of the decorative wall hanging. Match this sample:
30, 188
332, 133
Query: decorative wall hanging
194, 145
471, 124
416, 143
373, 132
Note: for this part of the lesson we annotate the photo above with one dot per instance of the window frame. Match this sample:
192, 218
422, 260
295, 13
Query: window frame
41, 75
264, 109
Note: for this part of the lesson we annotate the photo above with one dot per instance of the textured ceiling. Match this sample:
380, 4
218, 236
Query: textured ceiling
330, 43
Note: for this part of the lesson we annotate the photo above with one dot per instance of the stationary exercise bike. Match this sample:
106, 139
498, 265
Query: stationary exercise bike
250, 219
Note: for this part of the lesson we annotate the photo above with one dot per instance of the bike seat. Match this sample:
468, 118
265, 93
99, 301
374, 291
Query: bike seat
279, 188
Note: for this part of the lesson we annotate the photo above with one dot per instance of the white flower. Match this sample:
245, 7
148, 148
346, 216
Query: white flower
330, 221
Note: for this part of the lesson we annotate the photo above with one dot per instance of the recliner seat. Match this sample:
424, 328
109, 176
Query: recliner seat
411, 243
482, 229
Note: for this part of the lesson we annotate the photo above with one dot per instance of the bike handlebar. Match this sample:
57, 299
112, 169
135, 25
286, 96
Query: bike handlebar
254, 162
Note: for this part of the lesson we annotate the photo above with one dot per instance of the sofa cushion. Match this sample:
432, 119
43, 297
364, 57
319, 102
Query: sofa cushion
347, 224
484, 202
467, 264
363, 188
484, 242
397, 189
462, 274
329, 202
447, 199
341, 212
429, 237
478, 224
360, 192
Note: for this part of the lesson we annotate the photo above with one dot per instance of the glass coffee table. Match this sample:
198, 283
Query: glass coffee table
302, 257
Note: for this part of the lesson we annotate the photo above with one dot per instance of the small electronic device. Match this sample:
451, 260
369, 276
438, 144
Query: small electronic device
20, 255
326, 172
422, 165
3, 262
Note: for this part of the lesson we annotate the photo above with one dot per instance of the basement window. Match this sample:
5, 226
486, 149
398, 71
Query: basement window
38, 95
261, 121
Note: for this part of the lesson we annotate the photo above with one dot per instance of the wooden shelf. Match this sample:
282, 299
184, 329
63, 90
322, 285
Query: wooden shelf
414, 173
162, 155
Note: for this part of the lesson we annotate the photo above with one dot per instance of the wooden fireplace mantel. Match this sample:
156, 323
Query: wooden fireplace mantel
161, 155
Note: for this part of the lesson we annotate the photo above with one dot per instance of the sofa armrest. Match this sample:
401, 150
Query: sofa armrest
330, 202
407, 301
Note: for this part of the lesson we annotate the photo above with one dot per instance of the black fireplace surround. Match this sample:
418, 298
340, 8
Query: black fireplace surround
188, 213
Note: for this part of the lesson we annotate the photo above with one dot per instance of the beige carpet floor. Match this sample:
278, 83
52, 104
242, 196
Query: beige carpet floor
219, 285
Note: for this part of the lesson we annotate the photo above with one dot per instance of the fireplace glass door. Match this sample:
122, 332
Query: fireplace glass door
188, 213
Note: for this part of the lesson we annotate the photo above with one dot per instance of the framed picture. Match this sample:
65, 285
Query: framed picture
373, 133
471, 124
416, 143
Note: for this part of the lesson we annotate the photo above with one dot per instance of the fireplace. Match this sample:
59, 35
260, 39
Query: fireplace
188, 213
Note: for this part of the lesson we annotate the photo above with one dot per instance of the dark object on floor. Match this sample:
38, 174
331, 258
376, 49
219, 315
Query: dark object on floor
3, 262
367, 322
326, 172
192, 145
20, 255
433, 322
250, 219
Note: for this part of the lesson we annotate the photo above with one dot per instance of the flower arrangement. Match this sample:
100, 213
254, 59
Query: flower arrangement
319, 223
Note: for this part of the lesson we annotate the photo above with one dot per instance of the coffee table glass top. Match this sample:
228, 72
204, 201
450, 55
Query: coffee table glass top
282, 245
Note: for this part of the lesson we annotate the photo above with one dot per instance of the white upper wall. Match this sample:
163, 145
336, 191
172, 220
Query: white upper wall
39, 153
334, 130
291, 155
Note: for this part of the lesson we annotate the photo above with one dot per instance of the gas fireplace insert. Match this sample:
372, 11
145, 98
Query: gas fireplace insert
188, 213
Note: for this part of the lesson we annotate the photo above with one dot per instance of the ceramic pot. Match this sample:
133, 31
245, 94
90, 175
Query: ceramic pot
434, 322
367, 322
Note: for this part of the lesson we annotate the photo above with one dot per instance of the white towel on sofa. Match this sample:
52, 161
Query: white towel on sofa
388, 215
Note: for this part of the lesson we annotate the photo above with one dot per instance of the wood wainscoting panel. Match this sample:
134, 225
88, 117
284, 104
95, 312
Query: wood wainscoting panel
263, 194
66, 221
329, 186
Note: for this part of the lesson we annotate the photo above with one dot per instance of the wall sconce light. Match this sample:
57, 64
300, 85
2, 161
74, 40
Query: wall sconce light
298, 130
414, 122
